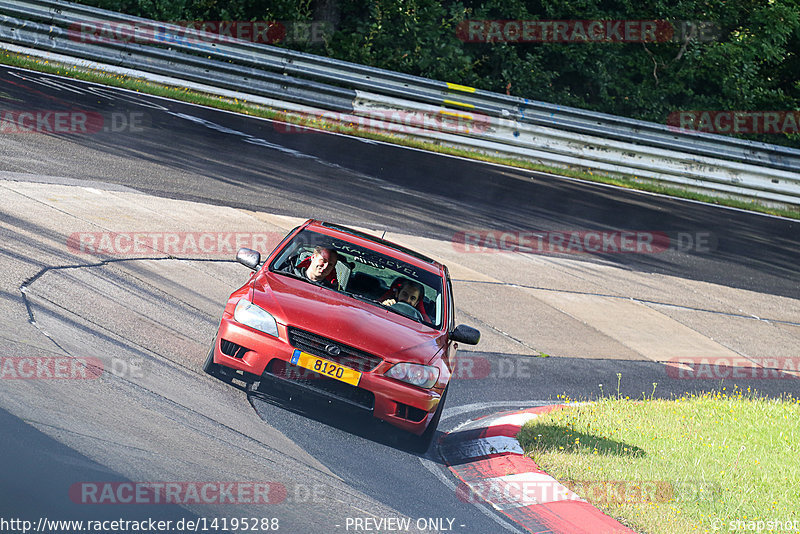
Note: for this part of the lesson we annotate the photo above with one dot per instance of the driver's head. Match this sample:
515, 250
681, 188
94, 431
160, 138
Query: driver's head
409, 292
323, 261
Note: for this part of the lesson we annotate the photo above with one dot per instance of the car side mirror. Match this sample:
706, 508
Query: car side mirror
249, 258
465, 334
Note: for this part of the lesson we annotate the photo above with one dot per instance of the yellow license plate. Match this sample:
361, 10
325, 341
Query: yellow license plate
326, 367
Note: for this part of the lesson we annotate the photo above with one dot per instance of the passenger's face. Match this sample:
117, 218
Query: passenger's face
409, 295
322, 263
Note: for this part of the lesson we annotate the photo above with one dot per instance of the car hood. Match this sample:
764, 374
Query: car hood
347, 320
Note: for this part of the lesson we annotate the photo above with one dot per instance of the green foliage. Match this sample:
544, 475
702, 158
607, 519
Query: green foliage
751, 64
698, 461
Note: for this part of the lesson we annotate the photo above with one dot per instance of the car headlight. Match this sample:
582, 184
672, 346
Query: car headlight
251, 315
424, 376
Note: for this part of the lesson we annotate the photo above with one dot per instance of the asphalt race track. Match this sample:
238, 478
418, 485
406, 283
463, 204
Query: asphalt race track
152, 415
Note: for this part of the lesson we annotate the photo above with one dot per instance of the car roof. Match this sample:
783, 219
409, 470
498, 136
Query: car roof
377, 244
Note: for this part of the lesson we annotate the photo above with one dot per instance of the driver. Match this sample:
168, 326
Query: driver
320, 267
409, 292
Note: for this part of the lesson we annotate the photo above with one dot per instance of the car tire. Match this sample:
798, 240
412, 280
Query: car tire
211, 368
422, 443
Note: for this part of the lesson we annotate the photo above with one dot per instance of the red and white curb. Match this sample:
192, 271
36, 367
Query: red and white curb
489, 461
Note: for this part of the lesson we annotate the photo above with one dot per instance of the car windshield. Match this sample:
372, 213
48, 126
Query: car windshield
370, 276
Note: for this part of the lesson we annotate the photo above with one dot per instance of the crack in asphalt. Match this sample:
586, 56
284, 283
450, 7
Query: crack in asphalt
32, 316
322, 476
502, 333
315, 474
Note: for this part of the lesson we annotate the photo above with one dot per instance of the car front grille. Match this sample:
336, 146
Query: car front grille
306, 379
348, 356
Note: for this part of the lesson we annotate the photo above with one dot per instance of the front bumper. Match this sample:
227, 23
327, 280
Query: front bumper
405, 406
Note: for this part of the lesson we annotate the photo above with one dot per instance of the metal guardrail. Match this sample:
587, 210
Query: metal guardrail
515, 127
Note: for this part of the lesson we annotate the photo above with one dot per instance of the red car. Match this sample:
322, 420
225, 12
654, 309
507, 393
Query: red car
349, 316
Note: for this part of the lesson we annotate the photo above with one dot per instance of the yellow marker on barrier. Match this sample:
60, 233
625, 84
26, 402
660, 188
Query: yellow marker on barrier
456, 87
462, 104
454, 114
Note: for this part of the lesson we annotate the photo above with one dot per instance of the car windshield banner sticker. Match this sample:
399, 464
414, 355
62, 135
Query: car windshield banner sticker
374, 260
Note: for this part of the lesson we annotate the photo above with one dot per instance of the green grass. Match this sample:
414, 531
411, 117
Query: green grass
693, 464
247, 108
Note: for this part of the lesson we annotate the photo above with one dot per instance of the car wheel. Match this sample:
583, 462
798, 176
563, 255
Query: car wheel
214, 369
422, 443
